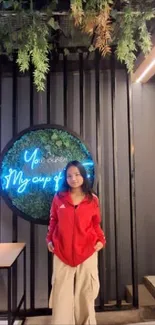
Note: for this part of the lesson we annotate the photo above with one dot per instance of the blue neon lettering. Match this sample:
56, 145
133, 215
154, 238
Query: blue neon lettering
23, 186
35, 180
43, 180
16, 178
32, 158
8, 178
47, 179
57, 180
88, 164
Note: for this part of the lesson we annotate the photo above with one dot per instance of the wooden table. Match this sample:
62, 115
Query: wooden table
9, 253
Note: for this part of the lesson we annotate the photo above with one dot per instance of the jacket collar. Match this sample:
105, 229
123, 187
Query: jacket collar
67, 197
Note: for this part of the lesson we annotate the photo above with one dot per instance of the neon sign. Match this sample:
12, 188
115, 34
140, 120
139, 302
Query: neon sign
17, 178
31, 170
33, 157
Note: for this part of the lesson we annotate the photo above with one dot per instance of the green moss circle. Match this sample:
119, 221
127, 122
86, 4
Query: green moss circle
54, 148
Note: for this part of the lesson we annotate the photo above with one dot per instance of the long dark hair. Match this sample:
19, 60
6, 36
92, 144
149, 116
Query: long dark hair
86, 188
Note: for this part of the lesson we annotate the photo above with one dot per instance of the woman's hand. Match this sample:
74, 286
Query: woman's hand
98, 246
50, 247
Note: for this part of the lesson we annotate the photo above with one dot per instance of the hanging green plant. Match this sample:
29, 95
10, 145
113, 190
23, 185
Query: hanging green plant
28, 32
34, 34
125, 27
35, 47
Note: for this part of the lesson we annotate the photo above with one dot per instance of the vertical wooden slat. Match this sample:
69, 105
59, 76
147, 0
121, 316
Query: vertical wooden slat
32, 225
0, 127
49, 255
98, 158
14, 132
0, 101
115, 180
65, 85
31, 96
14, 216
81, 74
97, 105
132, 188
48, 95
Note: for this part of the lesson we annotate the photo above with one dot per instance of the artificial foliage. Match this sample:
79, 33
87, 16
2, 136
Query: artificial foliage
28, 32
34, 202
122, 24
34, 34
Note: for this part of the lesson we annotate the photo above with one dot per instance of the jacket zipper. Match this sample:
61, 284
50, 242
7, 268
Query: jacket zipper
73, 236
74, 230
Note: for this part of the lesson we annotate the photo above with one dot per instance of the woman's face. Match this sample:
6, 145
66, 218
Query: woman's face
74, 178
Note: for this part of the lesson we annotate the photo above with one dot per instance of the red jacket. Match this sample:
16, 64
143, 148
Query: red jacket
74, 231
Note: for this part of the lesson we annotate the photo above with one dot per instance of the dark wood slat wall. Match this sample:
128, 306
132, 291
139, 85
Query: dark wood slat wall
0, 127
87, 104
14, 133
32, 225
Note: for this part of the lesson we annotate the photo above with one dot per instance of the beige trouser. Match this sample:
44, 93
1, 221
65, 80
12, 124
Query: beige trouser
74, 290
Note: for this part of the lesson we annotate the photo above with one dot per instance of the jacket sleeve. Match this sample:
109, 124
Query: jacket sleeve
53, 221
96, 223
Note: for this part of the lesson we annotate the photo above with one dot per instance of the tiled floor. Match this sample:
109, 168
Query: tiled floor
142, 316
107, 318
102, 320
47, 321
148, 323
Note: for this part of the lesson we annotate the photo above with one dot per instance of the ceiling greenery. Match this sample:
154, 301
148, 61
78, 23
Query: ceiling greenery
34, 34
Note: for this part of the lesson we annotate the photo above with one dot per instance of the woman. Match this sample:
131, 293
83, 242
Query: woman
74, 236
